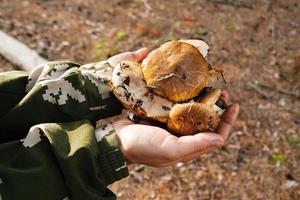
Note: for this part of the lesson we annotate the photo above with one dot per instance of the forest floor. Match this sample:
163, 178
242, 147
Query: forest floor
256, 43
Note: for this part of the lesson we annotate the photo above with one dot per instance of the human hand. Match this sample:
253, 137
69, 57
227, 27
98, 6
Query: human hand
154, 146
136, 56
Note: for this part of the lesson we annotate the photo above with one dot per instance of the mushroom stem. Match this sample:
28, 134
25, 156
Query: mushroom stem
211, 97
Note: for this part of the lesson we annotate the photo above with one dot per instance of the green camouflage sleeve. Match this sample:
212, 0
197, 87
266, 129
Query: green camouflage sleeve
61, 161
12, 89
59, 92
62, 156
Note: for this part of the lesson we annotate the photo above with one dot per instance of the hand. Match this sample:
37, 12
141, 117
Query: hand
136, 56
154, 146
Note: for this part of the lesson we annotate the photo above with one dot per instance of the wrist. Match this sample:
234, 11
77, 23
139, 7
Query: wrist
101, 100
118, 127
111, 159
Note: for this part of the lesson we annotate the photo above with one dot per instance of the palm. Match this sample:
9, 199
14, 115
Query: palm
155, 146
147, 144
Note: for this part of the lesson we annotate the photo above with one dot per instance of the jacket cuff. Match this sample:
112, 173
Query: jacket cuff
111, 159
97, 80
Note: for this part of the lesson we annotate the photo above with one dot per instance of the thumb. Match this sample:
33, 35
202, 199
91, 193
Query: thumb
135, 56
140, 54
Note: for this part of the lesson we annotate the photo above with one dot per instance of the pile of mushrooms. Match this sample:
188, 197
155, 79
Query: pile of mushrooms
168, 86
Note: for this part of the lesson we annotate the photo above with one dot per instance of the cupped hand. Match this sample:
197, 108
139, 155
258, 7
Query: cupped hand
154, 146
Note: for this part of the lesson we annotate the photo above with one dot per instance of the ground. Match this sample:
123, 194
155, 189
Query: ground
255, 42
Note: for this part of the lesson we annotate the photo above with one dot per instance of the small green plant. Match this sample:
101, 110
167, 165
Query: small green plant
135, 5
148, 168
40, 23
277, 159
121, 35
230, 27
293, 140
103, 50
99, 45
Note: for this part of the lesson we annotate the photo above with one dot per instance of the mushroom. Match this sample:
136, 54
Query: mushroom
194, 117
162, 88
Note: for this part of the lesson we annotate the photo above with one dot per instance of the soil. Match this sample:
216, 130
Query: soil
255, 42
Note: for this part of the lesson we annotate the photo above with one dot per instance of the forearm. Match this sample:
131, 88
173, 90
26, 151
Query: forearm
61, 160
58, 92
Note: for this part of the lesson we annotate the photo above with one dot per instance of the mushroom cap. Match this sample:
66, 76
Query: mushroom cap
192, 118
130, 88
176, 70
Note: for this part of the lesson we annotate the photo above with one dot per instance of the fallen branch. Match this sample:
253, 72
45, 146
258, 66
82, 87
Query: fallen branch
18, 53
235, 3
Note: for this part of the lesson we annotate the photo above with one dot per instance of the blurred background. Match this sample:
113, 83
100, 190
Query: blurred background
257, 44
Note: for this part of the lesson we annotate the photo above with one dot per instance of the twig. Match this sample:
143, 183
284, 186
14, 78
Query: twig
235, 3
263, 85
147, 6
262, 93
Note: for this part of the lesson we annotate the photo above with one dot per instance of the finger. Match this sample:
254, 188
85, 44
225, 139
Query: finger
140, 54
195, 156
116, 59
227, 121
135, 56
178, 148
223, 101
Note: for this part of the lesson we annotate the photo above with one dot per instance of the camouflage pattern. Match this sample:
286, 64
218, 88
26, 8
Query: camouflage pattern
49, 147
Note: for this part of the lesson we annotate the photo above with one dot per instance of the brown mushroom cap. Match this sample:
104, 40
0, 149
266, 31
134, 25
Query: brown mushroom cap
195, 117
176, 70
191, 118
